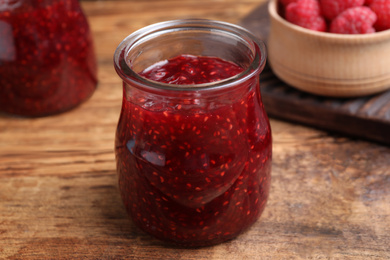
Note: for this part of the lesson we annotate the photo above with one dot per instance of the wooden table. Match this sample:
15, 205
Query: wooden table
330, 196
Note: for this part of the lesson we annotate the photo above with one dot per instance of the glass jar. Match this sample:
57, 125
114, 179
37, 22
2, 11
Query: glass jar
47, 62
193, 161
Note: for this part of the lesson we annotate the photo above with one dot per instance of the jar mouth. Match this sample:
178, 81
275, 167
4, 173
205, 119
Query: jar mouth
208, 37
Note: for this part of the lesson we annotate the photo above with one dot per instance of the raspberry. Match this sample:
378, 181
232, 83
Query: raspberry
368, 2
332, 8
306, 13
355, 20
382, 10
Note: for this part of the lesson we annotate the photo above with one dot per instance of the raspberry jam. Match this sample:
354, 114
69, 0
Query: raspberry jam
47, 62
193, 149
188, 69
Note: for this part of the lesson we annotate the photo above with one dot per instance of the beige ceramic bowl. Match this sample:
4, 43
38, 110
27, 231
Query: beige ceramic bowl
328, 64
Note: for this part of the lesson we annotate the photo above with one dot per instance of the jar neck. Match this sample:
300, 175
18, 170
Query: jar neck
191, 101
198, 102
197, 37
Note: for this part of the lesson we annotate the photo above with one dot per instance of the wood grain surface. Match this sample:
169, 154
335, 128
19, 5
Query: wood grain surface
330, 195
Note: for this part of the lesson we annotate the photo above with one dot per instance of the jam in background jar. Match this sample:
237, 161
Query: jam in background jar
193, 143
47, 62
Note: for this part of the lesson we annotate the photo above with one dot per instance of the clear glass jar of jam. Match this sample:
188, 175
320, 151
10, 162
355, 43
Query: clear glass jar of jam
47, 60
193, 143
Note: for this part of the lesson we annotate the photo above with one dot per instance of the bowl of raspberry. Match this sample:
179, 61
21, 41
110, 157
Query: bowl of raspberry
336, 48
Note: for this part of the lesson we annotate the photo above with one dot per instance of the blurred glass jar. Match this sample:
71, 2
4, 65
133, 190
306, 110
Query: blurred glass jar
47, 60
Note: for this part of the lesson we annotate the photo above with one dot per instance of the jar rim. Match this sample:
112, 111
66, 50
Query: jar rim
128, 75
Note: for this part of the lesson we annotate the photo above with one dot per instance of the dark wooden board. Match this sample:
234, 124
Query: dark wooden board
363, 117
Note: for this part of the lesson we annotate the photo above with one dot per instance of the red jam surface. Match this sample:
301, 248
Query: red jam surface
197, 172
188, 69
47, 62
